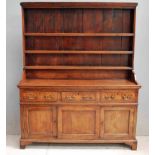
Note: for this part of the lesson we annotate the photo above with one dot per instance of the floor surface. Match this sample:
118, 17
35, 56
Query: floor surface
75, 149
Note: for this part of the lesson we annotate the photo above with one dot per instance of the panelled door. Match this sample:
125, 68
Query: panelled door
38, 122
78, 122
117, 122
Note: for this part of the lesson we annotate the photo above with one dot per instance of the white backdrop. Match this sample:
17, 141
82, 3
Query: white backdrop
14, 63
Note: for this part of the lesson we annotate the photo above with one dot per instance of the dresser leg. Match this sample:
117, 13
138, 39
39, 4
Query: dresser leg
24, 143
22, 146
133, 145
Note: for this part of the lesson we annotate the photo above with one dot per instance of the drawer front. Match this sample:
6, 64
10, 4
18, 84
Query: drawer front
39, 96
120, 96
80, 97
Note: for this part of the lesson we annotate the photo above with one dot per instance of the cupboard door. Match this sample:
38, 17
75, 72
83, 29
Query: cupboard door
117, 122
38, 122
78, 122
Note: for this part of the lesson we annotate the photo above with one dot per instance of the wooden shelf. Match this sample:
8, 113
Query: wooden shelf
80, 67
78, 5
75, 52
81, 34
83, 83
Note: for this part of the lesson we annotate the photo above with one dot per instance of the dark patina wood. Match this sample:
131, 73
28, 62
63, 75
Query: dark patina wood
78, 83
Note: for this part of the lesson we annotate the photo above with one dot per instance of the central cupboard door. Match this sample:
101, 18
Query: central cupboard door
78, 122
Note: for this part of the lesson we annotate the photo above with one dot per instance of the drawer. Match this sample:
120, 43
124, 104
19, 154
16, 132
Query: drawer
119, 96
39, 96
80, 97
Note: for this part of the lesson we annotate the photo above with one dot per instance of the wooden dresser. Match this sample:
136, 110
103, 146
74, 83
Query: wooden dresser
78, 83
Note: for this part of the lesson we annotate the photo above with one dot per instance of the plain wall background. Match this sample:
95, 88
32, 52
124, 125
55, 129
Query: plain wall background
14, 63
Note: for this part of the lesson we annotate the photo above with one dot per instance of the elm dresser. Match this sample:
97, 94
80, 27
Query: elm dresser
78, 82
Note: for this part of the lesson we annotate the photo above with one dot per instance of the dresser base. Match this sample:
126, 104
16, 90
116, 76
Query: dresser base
131, 143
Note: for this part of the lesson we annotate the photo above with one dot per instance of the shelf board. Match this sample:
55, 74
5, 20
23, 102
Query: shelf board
78, 5
81, 34
75, 52
83, 83
80, 67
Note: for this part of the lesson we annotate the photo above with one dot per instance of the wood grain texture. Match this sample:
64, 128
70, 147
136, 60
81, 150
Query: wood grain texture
74, 122
96, 96
78, 83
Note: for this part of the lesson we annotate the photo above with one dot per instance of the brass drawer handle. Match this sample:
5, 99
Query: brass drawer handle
109, 97
48, 97
30, 97
70, 98
125, 97
87, 98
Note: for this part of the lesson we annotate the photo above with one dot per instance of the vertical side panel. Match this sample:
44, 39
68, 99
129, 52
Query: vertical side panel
134, 29
101, 122
59, 122
135, 122
131, 123
24, 122
55, 121
23, 41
